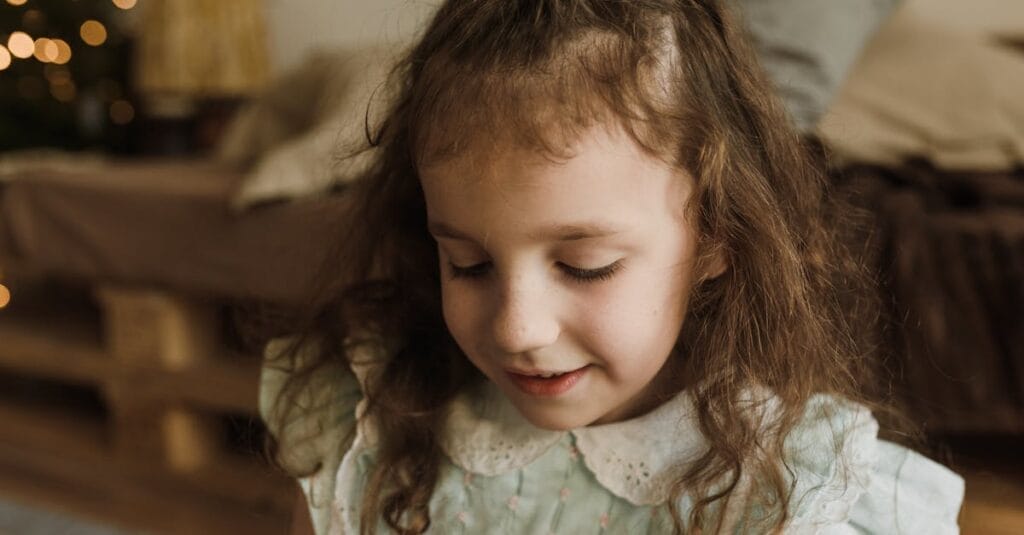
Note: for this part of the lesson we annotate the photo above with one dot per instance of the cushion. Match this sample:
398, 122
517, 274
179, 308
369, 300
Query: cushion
807, 46
922, 90
306, 133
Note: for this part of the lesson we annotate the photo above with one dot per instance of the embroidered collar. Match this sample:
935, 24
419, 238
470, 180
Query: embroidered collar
635, 459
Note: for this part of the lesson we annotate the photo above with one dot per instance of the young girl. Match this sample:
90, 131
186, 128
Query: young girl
588, 288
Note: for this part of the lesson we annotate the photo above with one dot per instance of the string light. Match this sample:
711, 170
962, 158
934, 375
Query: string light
63, 52
46, 50
5, 58
21, 45
123, 4
5, 294
93, 32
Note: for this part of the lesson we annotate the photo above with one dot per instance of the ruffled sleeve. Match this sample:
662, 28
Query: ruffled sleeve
314, 434
847, 481
909, 493
831, 454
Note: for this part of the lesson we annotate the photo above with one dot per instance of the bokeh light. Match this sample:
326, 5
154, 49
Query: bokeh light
125, 4
46, 50
122, 112
5, 58
5, 294
64, 90
93, 32
63, 52
21, 45
56, 74
17, 2
33, 20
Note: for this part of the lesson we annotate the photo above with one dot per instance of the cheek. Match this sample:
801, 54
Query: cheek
635, 324
462, 314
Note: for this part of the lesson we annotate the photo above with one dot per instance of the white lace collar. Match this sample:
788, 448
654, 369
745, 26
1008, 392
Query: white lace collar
635, 459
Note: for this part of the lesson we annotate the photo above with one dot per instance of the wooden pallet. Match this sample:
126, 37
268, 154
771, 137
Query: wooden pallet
123, 411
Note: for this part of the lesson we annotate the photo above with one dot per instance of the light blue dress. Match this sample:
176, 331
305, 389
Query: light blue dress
502, 475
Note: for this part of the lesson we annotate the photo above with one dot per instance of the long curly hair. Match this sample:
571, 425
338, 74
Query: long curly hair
678, 76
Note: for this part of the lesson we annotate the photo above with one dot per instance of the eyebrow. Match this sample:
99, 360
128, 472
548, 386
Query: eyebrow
565, 232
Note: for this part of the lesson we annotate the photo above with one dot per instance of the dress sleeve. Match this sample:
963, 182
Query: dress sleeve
909, 493
316, 431
831, 456
850, 482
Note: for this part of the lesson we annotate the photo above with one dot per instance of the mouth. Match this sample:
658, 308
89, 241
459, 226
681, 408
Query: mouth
546, 383
537, 373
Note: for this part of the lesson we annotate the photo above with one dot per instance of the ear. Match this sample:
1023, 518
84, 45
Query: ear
715, 264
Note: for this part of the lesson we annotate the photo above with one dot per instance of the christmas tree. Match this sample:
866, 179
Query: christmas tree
64, 74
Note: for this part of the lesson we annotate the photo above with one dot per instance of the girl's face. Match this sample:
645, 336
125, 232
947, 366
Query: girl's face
580, 267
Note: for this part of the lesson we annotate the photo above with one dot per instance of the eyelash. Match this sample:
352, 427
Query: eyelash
576, 274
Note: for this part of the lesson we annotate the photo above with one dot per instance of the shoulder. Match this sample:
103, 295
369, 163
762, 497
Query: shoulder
312, 415
846, 478
302, 406
830, 454
908, 493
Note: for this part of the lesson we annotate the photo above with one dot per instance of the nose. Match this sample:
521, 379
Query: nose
525, 319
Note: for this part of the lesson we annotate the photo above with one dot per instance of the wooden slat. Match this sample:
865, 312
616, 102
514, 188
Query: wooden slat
64, 352
53, 431
215, 383
231, 386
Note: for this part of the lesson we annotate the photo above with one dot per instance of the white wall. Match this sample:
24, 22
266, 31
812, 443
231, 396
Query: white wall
298, 26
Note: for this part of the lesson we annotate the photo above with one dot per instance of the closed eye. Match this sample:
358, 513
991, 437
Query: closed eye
591, 275
576, 274
474, 271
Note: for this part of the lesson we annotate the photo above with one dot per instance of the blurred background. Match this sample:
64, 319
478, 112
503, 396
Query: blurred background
170, 170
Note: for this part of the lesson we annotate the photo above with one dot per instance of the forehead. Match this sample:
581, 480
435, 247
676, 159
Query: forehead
458, 105
602, 177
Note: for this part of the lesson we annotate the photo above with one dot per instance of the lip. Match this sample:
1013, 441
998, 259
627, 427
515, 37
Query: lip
530, 384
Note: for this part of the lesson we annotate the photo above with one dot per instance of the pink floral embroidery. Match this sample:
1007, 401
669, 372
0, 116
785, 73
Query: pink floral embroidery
564, 494
574, 453
467, 479
513, 502
462, 516
604, 520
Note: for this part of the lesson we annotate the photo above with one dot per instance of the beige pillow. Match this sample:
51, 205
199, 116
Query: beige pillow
301, 135
921, 90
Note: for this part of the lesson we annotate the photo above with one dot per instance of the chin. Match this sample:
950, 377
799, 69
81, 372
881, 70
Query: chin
554, 420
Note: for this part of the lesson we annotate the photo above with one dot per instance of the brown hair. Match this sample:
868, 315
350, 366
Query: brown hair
680, 80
